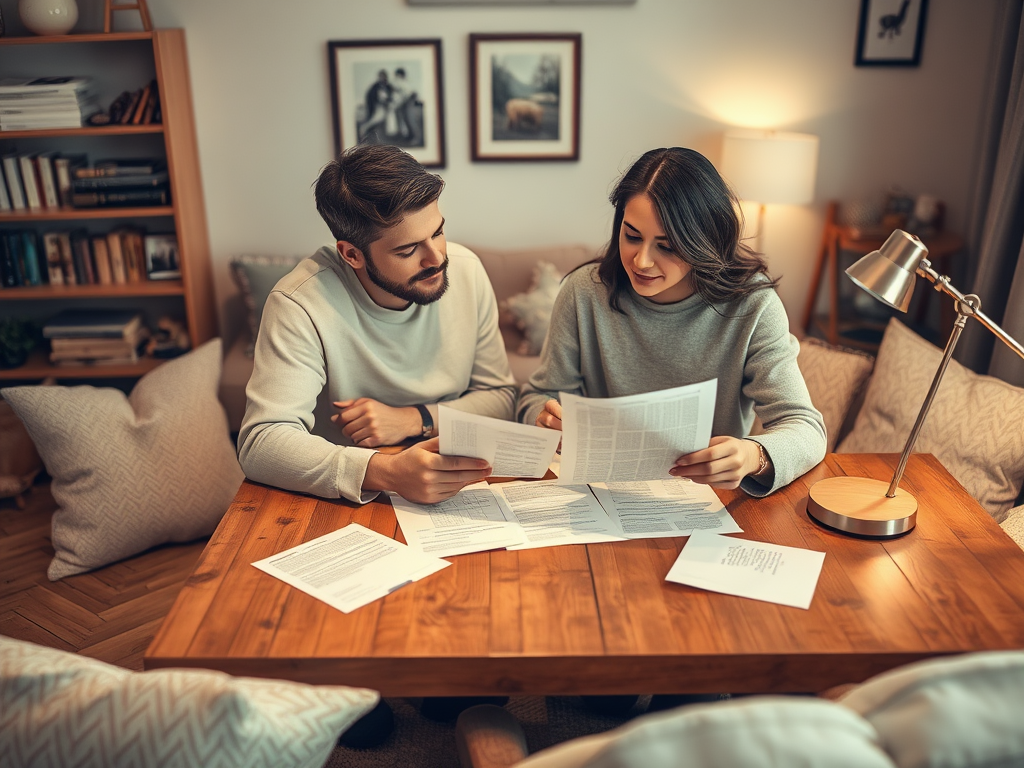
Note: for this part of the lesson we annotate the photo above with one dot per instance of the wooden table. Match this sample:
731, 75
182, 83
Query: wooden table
600, 618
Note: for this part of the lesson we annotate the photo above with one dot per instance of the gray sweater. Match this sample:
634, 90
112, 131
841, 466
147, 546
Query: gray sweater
593, 351
323, 339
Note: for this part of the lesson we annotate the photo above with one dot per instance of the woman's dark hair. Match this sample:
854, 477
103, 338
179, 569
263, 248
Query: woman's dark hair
370, 188
700, 215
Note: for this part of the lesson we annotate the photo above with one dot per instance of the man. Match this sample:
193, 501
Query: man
378, 97
359, 343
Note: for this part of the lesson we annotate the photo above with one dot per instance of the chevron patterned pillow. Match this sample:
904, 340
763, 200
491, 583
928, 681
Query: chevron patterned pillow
133, 472
60, 709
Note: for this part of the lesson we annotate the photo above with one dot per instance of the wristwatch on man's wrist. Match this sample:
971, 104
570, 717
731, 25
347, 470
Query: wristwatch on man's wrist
428, 421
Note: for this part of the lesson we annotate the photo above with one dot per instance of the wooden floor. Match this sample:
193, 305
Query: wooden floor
110, 614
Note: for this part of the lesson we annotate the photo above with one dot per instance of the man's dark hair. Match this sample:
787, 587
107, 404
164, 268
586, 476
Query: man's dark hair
370, 188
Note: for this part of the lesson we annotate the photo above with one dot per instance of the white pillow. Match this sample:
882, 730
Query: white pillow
975, 426
532, 310
1014, 525
133, 472
746, 733
961, 712
60, 709
834, 378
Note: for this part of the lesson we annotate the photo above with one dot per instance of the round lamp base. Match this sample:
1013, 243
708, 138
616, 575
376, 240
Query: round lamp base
858, 506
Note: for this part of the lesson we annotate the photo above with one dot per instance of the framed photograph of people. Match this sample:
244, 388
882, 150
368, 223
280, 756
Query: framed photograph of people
891, 33
525, 96
389, 92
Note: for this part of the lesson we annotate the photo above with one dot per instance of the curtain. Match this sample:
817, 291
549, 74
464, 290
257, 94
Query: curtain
996, 228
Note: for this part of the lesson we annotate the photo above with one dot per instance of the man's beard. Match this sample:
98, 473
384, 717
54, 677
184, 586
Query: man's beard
410, 291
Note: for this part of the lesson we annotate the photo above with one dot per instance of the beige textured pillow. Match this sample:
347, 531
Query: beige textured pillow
1013, 525
975, 426
834, 377
133, 472
60, 709
961, 712
532, 309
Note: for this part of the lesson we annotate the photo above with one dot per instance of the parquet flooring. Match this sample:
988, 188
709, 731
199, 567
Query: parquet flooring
110, 614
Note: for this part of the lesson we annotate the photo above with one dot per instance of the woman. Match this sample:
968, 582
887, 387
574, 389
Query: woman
677, 299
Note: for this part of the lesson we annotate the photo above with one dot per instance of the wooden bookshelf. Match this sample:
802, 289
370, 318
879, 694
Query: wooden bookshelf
189, 298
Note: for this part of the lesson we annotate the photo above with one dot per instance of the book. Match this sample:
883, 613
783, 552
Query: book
95, 346
101, 257
117, 269
12, 174
17, 256
9, 277
140, 109
82, 253
34, 268
5, 198
44, 162
129, 111
121, 197
54, 265
99, 323
67, 258
30, 180
101, 183
142, 166
64, 167
152, 112
134, 258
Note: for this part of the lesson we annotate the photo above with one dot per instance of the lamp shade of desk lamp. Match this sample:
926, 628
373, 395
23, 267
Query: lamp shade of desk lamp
862, 506
770, 167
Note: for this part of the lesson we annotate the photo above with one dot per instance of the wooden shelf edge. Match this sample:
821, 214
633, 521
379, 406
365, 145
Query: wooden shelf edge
118, 291
71, 214
85, 130
85, 37
39, 367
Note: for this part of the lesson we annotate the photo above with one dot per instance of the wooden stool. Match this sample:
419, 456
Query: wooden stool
139, 5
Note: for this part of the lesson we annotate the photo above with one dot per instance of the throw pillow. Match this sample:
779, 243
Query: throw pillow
1013, 525
256, 277
834, 377
532, 310
974, 426
57, 708
962, 711
133, 472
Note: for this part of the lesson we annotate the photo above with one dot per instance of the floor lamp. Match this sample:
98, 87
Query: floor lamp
770, 167
859, 505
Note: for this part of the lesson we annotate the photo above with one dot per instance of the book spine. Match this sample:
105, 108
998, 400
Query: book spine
29, 177
13, 176
116, 258
83, 258
102, 183
30, 247
155, 196
8, 266
67, 258
50, 197
101, 256
54, 270
5, 198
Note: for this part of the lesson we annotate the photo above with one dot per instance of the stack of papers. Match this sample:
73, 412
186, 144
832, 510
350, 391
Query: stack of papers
45, 102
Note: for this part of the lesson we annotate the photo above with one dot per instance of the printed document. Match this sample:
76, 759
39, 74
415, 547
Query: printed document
470, 521
652, 509
551, 514
350, 567
638, 437
769, 572
513, 450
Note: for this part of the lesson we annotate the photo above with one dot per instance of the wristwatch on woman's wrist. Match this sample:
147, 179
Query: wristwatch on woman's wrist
427, 419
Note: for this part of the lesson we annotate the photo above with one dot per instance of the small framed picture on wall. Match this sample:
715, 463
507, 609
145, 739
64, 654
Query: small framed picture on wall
388, 92
525, 96
891, 33
162, 257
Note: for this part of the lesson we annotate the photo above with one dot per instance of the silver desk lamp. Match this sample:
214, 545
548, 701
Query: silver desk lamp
859, 505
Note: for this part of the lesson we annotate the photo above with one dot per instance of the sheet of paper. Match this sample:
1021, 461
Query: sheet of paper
350, 567
639, 437
754, 569
513, 450
552, 515
650, 509
470, 521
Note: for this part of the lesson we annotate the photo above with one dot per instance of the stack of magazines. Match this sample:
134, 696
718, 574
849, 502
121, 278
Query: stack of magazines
45, 102
96, 337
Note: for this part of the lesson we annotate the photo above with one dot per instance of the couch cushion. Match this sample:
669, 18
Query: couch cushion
532, 309
511, 270
1014, 525
963, 712
974, 426
256, 277
133, 472
834, 376
60, 709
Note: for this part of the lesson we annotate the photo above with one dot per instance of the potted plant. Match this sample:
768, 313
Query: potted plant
17, 339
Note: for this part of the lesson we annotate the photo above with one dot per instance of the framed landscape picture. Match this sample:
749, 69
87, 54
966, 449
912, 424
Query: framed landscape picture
388, 92
525, 96
891, 33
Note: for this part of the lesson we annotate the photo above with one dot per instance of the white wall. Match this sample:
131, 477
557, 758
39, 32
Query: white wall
657, 73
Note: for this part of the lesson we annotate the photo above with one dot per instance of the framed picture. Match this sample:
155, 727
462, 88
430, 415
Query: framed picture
525, 96
891, 33
388, 92
161, 257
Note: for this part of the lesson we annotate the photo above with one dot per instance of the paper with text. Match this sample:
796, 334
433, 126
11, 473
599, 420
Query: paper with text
638, 437
651, 509
552, 515
754, 569
350, 567
470, 521
512, 450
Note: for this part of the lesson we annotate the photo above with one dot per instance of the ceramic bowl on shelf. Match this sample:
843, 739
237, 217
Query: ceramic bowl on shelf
48, 17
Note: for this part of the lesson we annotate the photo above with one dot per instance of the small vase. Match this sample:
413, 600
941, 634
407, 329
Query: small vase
48, 17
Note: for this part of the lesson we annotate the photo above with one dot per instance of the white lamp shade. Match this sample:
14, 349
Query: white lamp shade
771, 166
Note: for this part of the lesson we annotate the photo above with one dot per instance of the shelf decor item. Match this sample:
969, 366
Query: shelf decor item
862, 506
48, 17
388, 92
525, 96
891, 33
